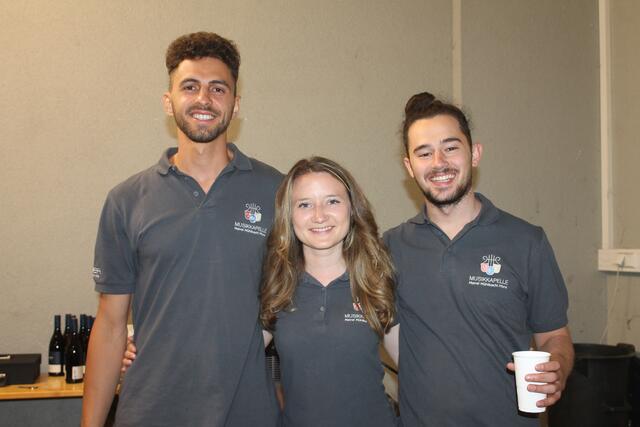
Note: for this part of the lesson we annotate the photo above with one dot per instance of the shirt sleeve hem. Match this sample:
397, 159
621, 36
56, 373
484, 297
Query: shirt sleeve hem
550, 326
113, 289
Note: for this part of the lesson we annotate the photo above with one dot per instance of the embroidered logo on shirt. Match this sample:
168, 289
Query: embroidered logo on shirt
354, 317
357, 316
490, 265
96, 273
253, 215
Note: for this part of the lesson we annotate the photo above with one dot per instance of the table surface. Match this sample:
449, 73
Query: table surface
45, 387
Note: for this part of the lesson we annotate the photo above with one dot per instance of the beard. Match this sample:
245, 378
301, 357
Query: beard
461, 190
202, 134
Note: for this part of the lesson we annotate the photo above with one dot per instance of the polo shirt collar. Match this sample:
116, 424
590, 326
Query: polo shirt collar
310, 280
240, 161
488, 213
164, 165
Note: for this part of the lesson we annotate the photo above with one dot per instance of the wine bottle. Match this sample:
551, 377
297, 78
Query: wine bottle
66, 336
73, 356
84, 338
67, 331
90, 320
83, 324
56, 349
273, 361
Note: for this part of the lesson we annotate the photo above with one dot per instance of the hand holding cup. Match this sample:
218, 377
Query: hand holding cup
525, 363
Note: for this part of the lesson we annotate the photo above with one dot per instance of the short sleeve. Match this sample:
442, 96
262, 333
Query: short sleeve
114, 262
547, 293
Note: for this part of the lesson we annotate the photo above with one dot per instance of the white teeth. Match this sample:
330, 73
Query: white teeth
442, 178
319, 230
203, 116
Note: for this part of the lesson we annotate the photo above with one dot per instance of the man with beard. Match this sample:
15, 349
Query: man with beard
183, 242
474, 285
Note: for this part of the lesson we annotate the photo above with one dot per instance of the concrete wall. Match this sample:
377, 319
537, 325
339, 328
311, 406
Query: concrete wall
530, 80
624, 290
81, 89
81, 101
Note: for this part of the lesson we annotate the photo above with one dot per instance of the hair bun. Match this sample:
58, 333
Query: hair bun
418, 103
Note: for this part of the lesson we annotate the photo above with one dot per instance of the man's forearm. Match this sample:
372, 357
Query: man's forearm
561, 348
102, 373
106, 347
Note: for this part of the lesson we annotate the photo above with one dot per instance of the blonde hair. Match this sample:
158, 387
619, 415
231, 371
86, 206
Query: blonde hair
368, 263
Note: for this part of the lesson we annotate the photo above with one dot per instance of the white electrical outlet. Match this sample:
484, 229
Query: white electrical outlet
623, 260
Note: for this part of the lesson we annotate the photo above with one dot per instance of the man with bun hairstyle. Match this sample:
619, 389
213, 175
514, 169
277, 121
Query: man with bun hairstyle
474, 285
183, 242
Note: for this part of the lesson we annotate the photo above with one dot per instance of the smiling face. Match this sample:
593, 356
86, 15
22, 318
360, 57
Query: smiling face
440, 159
201, 99
320, 213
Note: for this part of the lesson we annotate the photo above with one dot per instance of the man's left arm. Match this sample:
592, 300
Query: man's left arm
555, 372
548, 302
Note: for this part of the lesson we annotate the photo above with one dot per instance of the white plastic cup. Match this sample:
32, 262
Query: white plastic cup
526, 362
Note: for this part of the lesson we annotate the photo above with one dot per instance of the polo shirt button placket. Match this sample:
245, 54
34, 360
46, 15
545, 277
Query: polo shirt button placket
323, 306
443, 260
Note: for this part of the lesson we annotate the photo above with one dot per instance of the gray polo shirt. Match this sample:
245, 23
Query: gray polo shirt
193, 264
465, 305
330, 365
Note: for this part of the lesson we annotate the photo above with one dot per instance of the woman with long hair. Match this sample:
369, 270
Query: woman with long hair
327, 299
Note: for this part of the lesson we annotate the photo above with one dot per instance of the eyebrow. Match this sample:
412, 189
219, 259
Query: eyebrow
210, 82
324, 197
449, 139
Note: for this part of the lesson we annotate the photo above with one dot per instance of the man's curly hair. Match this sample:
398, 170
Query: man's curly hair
203, 45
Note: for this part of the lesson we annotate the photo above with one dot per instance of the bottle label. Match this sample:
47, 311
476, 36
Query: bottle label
76, 373
55, 369
55, 358
55, 362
